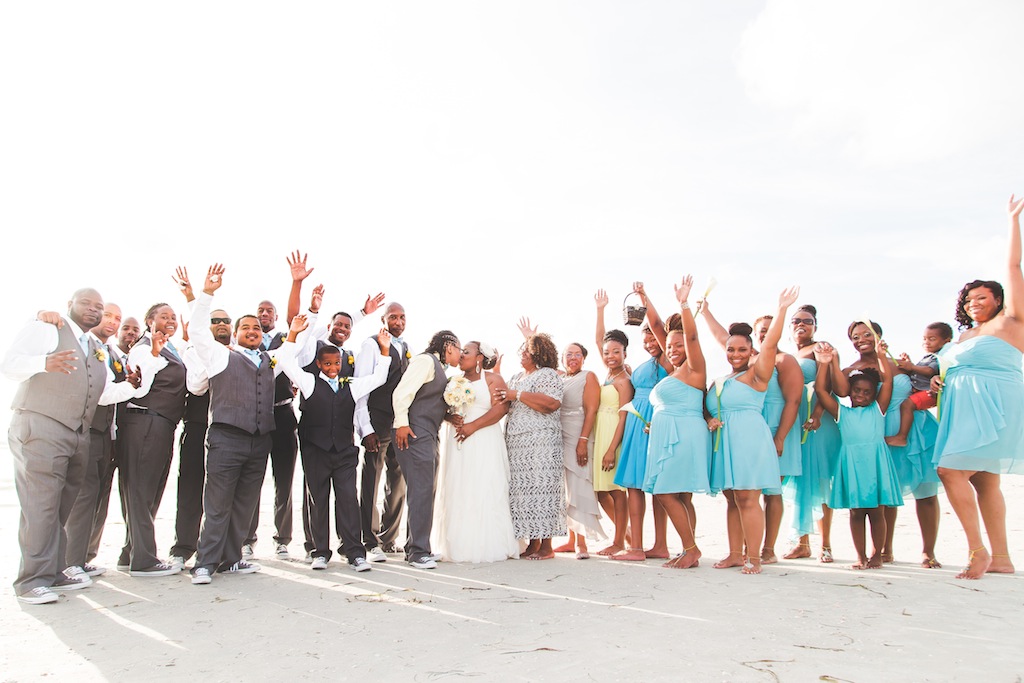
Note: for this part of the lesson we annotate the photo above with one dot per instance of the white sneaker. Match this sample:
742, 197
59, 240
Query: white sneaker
93, 570
435, 557
376, 555
201, 576
282, 552
247, 553
176, 561
72, 578
242, 567
39, 596
158, 569
318, 563
424, 562
360, 564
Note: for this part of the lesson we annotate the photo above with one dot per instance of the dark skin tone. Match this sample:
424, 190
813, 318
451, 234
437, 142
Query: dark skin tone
394, 320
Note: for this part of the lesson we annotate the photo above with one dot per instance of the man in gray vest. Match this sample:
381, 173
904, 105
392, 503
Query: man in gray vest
64, 376
239, 435
419, 410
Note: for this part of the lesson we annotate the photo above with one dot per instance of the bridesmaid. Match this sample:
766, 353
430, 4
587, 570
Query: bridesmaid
633, 464
781, 409
680, 447
616, 392
819, 448
981, 433
744, 460
913, 462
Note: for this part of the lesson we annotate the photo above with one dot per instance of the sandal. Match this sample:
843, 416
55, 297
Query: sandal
826, 555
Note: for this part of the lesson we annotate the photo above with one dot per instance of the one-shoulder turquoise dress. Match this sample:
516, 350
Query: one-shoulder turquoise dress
789, 462
981, 419
865, 476
632, 467
913, 462
679, 454
818, 452
746, 458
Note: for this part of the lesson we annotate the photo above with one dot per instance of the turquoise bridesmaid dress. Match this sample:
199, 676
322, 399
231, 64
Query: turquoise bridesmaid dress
865, 476
679, 455
746, 458
632, 466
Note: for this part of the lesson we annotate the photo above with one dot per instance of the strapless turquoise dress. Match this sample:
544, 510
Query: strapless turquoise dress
913, 462
981, 426
789, 462
679, 454
632, 467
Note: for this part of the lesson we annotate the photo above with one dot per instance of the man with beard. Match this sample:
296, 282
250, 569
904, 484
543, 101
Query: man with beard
64, 376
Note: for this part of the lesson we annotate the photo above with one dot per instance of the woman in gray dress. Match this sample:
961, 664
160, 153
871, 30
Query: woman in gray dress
533, 434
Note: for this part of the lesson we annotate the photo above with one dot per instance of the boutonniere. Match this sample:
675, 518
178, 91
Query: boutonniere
273, 363
351, 359
344, 380
118, 367
407, 354
100, 356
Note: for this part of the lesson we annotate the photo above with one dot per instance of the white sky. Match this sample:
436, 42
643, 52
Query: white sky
481, 161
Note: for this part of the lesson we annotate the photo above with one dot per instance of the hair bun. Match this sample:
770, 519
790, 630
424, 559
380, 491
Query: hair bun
618, 336
810, 309
741, 329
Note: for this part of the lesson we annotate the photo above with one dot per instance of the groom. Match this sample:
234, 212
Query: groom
419, 409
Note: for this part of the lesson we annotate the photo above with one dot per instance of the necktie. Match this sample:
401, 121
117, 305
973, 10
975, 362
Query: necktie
267, 338
333, 381
254, 356
83, 341
174, 352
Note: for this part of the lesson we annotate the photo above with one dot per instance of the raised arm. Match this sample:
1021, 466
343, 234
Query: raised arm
1013, 299
823, 356
601, 299
885, 372
765, 363
654, 320
720, 334
694, 355
299, 273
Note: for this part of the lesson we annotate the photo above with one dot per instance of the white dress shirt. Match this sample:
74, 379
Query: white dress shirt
366, 364
419, 371
212, 354
308, 338
306, 381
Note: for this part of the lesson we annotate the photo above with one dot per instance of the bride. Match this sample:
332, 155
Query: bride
475, 521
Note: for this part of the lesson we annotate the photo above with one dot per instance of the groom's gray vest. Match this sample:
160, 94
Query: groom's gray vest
428, 407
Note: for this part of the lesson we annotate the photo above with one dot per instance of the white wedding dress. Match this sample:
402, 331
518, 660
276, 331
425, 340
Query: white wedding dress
474, 519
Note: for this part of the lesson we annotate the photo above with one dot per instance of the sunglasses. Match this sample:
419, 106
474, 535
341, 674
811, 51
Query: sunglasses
802, 321
220, 321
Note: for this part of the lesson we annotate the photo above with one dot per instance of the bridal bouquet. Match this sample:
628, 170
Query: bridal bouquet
458, 394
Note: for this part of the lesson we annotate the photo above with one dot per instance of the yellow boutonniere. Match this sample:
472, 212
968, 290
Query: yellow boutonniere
344, 380
100, 356
408, 355
117, 366
351, 360
273, 363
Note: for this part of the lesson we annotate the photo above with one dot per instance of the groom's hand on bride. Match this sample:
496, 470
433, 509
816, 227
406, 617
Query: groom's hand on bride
402, 435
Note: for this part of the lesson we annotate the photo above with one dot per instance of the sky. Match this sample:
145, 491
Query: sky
482, 161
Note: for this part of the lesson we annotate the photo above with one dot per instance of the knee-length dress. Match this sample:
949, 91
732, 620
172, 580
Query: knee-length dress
914, 465
582, 511
981, 425
536, 492
604, 431
746, 458
632, 467
679, 454
790, 460
865, 476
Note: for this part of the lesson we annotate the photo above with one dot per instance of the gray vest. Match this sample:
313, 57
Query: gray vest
428, 407
68, 399
242, 395
167, 394
104, 415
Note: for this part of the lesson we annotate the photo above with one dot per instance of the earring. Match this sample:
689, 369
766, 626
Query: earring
479, 366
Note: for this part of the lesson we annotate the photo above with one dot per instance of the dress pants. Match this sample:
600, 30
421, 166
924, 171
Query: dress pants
419, 465
191, 474
325, 469
236, 463
306, 502
282, 461
148, 443
49, 465
79, 526
106, 471
381, 530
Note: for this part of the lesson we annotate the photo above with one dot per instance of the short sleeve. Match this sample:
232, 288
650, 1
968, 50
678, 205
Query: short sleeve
549, 383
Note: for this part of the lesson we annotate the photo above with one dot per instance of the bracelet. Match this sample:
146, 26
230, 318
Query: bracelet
519, 396
684, 305
584, 438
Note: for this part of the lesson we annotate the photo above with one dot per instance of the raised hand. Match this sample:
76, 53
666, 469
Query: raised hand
373, 302
823, 353
316, 299
525, 328
881, 347
497, 364
601, 298
159, 341
180, 278
788, 297
903, 362
1014, 206
702, 306
214, 278
61, 361
184, 331
51, 318
683, 289
384, 341
298, 266
299, 323
638, 288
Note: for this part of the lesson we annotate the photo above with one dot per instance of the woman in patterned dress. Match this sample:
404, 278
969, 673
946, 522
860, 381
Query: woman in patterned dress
533, 434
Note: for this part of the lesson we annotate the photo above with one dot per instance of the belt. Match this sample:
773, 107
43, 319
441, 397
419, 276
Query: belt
146, 411
283, 403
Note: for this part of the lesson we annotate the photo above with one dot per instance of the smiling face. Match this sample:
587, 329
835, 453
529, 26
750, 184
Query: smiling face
676, 348
614, 354
163, 319
86, 308
267, 315
650, 343
573, 359
802, 327
863, 339
761, 326
109, 323
526, 360
329, 363
341, 329
738, 351
982, 304
249, 332
862, 392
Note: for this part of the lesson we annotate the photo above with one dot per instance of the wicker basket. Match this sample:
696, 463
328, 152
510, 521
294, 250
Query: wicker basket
633, 315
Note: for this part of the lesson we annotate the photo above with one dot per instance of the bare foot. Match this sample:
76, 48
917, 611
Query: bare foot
688, 560
730, 560
582, 555
539, 556
610, 550
751, 566
862, 563
799, 551
978, 562
657, 553
631, 555
826, 555
1001, 564
900, 441
531, 549
888, 558
565, 548
768, 556
876, 561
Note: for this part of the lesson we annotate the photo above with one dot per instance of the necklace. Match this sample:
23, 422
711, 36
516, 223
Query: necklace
611, 378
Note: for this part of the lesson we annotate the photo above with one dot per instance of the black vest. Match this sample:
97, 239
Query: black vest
382, 412
167, 394
348, 361
104, 415
197, 409
242, 395
282, 385
327, 417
